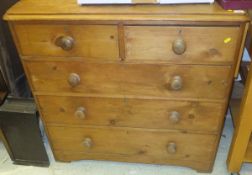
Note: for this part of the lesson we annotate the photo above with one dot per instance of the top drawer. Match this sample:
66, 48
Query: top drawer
91, 41
181, 44
178, 44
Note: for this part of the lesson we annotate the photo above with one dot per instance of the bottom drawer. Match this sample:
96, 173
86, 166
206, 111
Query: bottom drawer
137, 145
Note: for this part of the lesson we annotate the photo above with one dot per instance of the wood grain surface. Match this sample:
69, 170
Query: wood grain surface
107, 90
131, 79
128, 141
203, 44
136, 113
91, 41
69, 10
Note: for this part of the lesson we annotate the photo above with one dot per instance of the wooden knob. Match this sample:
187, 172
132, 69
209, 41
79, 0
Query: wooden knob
176, 83
174, 117
80, 113
179, 46
172, 148
65, 42
74, 79
88, 143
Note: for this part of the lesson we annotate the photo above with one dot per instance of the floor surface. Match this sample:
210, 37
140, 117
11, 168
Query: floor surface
114, 168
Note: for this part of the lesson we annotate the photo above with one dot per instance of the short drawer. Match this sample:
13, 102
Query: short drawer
154, 145
181, 44
136, 113
89, 41
165, 81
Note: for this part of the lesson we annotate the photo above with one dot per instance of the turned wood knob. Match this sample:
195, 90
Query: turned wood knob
80, 113
65, 42
172, 148
88, 143
74, 79
179, 46
176, 83
174, 117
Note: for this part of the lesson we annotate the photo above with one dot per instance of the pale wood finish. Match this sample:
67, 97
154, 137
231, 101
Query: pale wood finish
131, 79
242, 131
92, 41
200, 166
154, 43
69, 10
241, 51
117, 77
235, 107
6, 144
121, 41
150, 143
248, 154
142, 43
137, 113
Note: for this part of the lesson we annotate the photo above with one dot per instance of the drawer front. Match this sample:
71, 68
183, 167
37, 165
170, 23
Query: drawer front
181, 44
136, 113
90, 41
128, 79
154, 144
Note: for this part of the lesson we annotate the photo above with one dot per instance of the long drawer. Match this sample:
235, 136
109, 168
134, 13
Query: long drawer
137, 113
156, 146
188, 81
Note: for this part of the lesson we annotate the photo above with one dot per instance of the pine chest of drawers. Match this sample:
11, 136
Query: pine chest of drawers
142, 83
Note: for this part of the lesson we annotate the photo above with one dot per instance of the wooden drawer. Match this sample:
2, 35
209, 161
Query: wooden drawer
164, 81
137, 113
154, 145
199, 44
90, 41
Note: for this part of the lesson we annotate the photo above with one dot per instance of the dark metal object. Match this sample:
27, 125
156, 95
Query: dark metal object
3, 86
3, 89
19, 125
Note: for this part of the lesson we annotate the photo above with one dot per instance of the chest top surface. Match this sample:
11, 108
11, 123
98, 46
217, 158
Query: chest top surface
70, 10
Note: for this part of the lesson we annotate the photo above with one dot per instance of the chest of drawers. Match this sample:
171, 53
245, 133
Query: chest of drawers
142, 83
